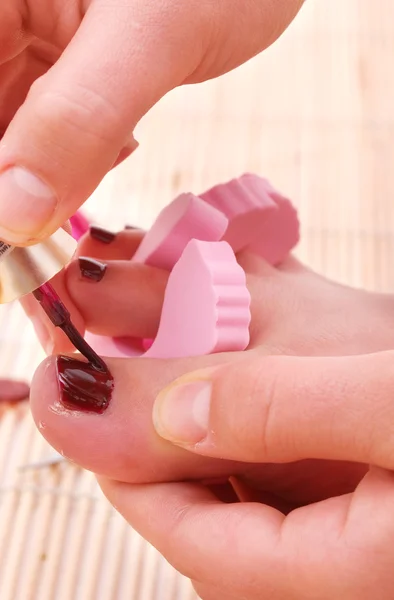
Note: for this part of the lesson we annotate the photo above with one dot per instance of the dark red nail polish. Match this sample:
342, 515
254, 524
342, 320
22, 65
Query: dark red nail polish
92, 269
102, 235
83, 387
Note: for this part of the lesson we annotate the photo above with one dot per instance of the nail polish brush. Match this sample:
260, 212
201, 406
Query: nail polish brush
60, 317
29, 269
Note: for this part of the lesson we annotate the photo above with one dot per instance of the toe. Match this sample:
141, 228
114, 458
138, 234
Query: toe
120, 443
137, 290
119, 246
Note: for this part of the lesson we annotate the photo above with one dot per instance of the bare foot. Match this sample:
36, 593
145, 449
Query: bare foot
295, 311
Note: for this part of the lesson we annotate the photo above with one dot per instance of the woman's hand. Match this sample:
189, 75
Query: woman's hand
77, 76
277, 410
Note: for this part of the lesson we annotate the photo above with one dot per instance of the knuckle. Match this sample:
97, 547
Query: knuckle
80, 111
182, 522
256, 426
377, 391
266, 394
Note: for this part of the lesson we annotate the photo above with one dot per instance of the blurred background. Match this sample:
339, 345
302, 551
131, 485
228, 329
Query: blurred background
314, 114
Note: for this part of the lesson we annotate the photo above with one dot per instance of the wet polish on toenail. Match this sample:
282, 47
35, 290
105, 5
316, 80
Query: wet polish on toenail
102, 235
91, 269
83, 387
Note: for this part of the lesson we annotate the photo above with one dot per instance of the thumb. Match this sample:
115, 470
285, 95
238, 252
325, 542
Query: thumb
78, 117
283, 409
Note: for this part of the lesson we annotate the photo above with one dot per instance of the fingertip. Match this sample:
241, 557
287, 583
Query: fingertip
34, 202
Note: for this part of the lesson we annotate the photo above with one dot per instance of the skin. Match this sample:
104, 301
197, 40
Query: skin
13, 391
77, 76
297, 418
96, 68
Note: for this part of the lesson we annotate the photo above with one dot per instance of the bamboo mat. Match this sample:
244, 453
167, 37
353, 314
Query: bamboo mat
315, 114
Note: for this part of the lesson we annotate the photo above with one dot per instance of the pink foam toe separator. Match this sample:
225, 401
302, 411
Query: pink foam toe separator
246, 204
114, 347
260, 219
206, 305
279, 236
185, 218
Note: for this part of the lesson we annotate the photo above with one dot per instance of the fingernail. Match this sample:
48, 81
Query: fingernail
26, 205
102, 235
91, 269
181, 412
82, 387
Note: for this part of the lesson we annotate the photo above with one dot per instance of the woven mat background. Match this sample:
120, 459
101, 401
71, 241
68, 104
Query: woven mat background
315, 114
